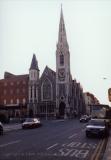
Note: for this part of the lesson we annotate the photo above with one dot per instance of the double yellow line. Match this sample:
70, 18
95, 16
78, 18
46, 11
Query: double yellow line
98, 150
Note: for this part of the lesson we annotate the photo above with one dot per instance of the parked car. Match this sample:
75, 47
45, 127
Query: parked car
98, 127
1, 128
84, 118
31, 123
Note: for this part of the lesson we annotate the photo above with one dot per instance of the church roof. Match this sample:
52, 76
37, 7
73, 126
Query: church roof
48, 72
34, 63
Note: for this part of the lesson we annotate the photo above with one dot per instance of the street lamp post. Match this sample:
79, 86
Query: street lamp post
46, 110
108, 90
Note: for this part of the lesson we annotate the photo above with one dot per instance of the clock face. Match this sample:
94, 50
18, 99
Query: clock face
61, 74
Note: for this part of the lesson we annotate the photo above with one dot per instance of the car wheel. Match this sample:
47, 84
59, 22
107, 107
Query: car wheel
23, 127
87, 135
1, 131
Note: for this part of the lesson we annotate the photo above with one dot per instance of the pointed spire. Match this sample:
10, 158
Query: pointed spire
61, 13
34, 63
62, 38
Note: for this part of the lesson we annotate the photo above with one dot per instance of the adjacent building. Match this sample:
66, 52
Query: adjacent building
90, 100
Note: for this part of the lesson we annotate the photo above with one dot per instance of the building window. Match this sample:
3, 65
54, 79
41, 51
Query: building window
23, 90
18, 101
4, 92
18, 91
35, 92
46, 90
5, 102
31, 92
5, 84
24, 82
11, 91
61, 59
11, 83
24, 100
11, 101
32, 74
18, 82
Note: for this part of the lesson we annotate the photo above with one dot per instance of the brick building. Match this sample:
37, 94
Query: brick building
90, 99
14, 94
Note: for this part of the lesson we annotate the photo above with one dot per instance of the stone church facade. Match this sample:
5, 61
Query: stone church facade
54, 94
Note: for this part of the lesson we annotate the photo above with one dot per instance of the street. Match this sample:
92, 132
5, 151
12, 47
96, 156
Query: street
55, 140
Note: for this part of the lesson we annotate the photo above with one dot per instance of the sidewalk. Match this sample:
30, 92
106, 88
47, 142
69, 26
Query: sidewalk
17, 126
12, 126
107, 154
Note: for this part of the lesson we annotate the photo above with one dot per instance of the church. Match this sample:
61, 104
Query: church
54, 94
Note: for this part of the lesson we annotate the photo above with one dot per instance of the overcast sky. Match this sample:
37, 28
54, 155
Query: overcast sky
31, 26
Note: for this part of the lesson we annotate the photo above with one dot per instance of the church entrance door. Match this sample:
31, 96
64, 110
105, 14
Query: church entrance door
62, 109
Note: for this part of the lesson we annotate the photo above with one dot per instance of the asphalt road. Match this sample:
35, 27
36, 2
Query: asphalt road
55, 140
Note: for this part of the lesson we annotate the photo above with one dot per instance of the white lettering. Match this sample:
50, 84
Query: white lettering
74, 152
74, 144
65, 152
82, 154
84, 145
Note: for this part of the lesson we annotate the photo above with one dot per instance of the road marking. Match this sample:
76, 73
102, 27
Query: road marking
73, 153
52, 146
72, 136
64, 144
95, 152
100, 149
10, 143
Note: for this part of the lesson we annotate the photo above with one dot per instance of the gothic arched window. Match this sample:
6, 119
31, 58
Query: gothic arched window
61, 59
46, 90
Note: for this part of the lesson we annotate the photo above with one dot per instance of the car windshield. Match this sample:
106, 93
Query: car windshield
97, 123
84, 116
29, 120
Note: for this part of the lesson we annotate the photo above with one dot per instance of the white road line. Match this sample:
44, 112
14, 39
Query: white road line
72, 136
52, 146
13, 142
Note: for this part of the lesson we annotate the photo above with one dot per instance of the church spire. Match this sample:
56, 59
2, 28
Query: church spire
62, 38
34, 63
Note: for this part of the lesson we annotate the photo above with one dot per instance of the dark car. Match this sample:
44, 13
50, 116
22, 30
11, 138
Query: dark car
97, 127
31, 123
1, 128
84, 118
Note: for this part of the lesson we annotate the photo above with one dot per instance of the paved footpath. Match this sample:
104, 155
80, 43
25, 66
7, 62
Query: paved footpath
107, 154
10, 127
17, 126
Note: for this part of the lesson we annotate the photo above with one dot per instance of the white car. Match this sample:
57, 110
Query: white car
84, 118
98, 127
31, 123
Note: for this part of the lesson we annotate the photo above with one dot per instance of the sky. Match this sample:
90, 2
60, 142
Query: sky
31, 26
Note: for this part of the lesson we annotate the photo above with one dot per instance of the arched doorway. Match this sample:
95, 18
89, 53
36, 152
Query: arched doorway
62, 109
